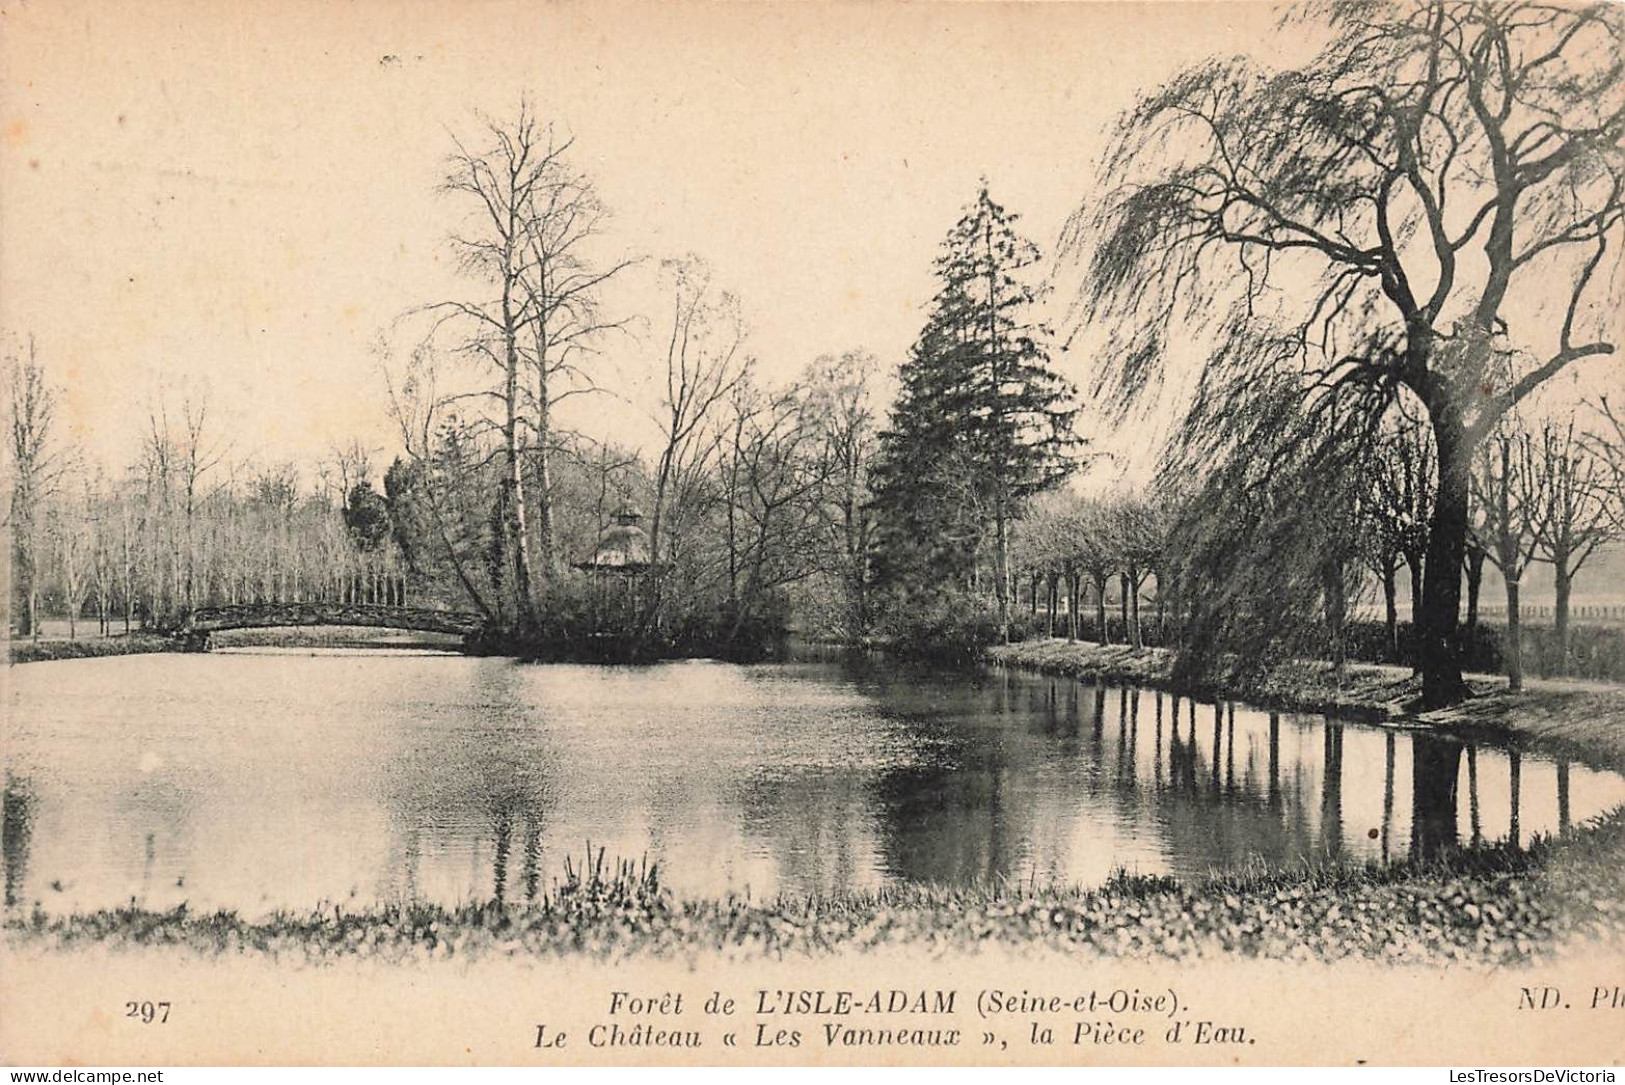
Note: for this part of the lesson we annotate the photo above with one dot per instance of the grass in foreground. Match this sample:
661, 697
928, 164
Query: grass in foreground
1485, 907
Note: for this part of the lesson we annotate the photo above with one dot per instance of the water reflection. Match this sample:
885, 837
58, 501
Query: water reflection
258, 783
1435, 769
16, 831
1387, 830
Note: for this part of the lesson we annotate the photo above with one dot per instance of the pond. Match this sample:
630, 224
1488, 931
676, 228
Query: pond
260, 780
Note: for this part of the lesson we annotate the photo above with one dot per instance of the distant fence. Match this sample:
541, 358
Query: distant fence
1528, 613
1596, 650
1614, 612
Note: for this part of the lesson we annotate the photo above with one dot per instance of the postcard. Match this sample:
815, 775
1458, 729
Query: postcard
913, 534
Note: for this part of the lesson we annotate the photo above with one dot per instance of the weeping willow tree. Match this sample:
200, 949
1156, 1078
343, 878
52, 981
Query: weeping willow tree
1266, 548
1432, 202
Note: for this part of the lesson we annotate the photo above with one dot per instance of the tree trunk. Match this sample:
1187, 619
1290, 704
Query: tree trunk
1475, 826
1176, 612
1475, 580
1335, 601
1049, 605
513, 480
1122, 604
1414, 562
545, 531
33, 608
1438, 653
1512, 651
1103, 635
1072, 606
1162, 621
1560, 612
1134, 615
1565, 823
1001, 568
1515, 794
1390, 589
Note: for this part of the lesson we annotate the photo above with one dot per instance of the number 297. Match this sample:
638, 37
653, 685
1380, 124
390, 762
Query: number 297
148, 1013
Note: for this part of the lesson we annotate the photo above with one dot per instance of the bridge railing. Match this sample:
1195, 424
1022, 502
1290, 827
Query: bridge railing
374, 615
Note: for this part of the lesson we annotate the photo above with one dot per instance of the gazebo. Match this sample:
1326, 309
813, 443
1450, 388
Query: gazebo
622, 554
623, 548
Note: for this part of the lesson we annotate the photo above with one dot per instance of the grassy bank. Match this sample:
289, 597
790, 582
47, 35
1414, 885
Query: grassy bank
30, 651
1488, 907
324, 637
1585, 721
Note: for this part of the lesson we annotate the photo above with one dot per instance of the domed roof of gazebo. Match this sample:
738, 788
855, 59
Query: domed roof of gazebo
623, 545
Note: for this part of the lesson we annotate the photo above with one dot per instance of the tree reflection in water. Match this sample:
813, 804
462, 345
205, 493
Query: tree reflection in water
16, 832
456, 780
1435, 767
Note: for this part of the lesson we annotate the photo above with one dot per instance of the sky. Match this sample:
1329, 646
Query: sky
239, 199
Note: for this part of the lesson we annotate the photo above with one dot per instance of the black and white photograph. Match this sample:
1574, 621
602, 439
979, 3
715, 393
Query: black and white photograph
829, 533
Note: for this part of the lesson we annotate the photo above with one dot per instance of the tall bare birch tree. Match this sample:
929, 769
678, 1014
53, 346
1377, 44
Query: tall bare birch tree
562, 281
497, 182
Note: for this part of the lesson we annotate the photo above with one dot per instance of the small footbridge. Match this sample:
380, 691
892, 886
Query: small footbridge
196, 625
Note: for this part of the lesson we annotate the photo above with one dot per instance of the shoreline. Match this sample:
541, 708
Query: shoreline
20, 651
1487, 907
147, 642
1585, 721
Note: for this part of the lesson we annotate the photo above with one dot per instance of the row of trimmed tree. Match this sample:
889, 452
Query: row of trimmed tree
1550, 494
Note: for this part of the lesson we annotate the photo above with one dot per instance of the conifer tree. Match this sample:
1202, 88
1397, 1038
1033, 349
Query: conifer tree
982, 423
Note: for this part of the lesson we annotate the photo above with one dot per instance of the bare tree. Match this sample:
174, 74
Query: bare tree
36, 467
1381, 550
1418, 133
1398, 502
129, 554
775, 468
1510, 513
1473, 567
1043, 547
101, 512
73, 545
433, 437
181, 451
841, 390
1579, 516
500, 182
346, 466
1138, 539
1608, 446
704, 364
562, 282
1096, 548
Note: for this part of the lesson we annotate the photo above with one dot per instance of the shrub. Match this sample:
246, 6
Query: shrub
720, 631
1026, 626
947, 626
